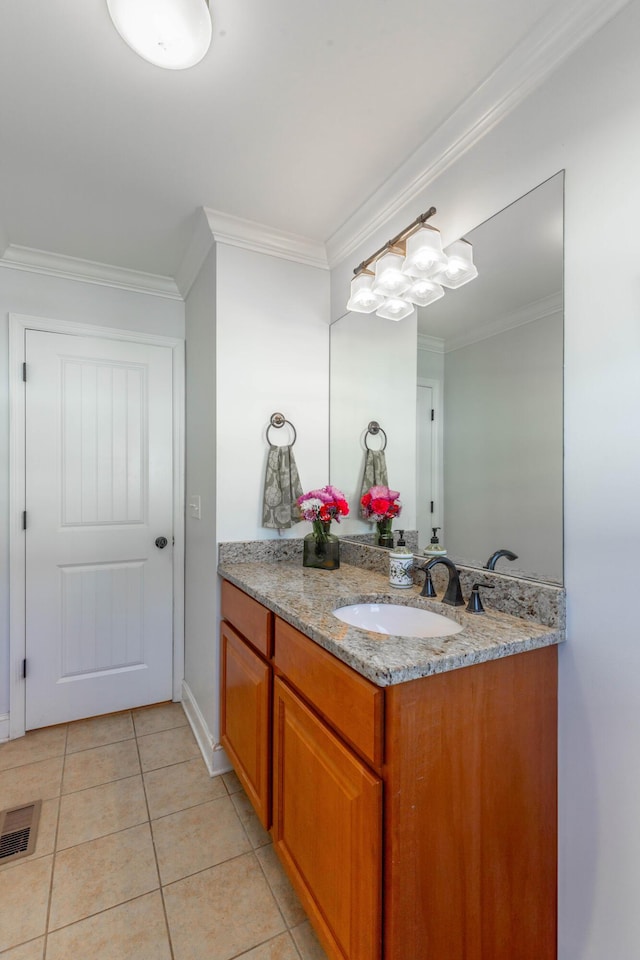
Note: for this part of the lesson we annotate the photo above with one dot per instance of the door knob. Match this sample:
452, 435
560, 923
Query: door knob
161, 542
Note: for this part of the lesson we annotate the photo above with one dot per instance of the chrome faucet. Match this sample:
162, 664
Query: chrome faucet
493, 559
453, 593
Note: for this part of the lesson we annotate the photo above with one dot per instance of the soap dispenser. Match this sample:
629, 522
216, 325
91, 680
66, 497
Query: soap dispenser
435, 548
401, 564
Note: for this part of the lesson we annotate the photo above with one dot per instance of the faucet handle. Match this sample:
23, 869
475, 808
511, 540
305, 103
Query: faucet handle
475, 603
428, 590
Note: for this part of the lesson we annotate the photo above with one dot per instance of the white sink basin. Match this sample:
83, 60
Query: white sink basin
394, 619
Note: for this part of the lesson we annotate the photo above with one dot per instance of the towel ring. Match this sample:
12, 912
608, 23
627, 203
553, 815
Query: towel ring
374, 429
278, 421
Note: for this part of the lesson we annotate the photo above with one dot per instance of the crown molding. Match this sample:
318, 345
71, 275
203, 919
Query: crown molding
537, 310
551, 41
259, 238
4, 241
16, 257
201, 243
432, 344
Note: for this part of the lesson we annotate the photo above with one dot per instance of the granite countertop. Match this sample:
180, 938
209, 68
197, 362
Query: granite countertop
305, 598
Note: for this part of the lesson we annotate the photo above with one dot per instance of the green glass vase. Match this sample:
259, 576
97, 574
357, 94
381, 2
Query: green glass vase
321, 548
385, 533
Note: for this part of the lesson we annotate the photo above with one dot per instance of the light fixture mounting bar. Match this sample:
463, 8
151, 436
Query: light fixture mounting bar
418, 222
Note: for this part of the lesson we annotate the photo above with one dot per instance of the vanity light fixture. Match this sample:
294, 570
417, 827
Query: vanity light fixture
363, 299
412, 268
460, 267
174, 34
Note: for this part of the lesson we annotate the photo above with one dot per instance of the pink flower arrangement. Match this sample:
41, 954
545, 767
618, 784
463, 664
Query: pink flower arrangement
381, 503
326, 504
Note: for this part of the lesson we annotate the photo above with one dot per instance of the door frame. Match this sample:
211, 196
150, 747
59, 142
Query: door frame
437, 449
18, 325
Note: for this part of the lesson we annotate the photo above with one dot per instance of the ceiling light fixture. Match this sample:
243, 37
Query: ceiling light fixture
174, 34
412, 268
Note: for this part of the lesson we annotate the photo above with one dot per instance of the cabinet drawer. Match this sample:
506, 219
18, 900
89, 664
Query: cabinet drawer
351, 704
249, 617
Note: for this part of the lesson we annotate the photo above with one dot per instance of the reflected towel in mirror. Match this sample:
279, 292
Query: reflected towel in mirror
281, 489
375, 474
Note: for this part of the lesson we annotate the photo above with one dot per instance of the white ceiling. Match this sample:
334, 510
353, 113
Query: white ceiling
297, 115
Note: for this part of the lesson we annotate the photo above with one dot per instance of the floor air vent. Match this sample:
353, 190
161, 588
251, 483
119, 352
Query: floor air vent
18, 831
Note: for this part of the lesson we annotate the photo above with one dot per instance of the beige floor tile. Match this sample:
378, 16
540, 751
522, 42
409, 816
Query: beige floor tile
37, 745
85, 734
33, 781
24, 894
307, 942
255, 831
101, 810
292, 909
231, 782
45, 840
26, 951
132, 931
101, 874
167, 747
281, 947
115, 761
197, 838
222, 911
165, 716
182, 785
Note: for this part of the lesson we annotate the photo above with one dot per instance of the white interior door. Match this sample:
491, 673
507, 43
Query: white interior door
99, 601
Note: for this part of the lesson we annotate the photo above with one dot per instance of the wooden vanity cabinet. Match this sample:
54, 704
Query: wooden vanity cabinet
246, 694
416, 822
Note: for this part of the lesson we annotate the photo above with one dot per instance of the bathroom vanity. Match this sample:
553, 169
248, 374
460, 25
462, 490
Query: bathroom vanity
409, 785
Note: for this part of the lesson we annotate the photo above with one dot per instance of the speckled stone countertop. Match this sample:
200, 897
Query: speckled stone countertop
305, 598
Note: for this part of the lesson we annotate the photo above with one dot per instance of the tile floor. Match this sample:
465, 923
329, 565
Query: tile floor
140, 854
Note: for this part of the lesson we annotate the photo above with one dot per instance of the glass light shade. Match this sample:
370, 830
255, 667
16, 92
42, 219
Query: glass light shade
460, 267
424, 292
363, 299
394, 308
168, 33
390, 281
424, 253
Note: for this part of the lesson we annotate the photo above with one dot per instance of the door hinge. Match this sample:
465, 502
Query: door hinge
24, 519
24, 669
433, 414
24, 372
431, 507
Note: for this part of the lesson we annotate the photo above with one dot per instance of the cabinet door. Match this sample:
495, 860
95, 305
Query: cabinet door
327, 829
246, 719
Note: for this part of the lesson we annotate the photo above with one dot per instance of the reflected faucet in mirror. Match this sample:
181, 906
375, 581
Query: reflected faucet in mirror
493, 559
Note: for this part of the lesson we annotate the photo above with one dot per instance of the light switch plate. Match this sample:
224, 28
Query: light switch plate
195, 507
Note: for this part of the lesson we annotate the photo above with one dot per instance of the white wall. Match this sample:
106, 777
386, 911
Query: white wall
430, 364
273, 354
373, 377
585, 119
503, 449
200, 535
56, 298
257, 343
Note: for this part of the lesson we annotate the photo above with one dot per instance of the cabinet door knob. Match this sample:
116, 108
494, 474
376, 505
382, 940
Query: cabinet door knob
161, 542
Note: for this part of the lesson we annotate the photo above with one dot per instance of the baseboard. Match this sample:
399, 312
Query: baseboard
4, 727
213, 755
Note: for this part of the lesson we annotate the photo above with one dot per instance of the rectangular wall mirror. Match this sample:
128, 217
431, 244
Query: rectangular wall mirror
487, 359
